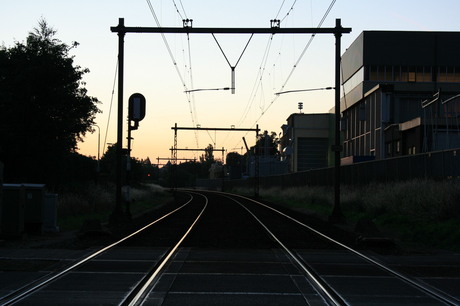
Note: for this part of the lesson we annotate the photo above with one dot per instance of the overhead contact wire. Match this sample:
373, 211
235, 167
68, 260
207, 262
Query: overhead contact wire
263, 112
110, 109
152, 10
298, 61
290, 10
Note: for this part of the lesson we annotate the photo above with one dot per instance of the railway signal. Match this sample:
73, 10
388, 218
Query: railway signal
136, 112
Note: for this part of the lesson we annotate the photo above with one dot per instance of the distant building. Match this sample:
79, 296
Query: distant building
306, 141
400, 93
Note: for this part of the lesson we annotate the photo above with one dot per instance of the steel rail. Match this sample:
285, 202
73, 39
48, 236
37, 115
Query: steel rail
142, 292
324, 290
433, 292
23, 293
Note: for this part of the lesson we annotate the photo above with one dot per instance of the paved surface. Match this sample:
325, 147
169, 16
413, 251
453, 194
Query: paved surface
232, 277
361, 283
228, 277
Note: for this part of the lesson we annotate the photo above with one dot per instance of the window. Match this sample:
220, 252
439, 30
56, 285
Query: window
374, 73
423, 74
397, 74
404, 74
449, 74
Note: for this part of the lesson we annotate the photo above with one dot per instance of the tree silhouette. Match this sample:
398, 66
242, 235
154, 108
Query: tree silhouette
44, 106
267, 144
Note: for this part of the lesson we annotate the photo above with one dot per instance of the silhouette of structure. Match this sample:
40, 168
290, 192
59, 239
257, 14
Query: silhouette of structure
400, 94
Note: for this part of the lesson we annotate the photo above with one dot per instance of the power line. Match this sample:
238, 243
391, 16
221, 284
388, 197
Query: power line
110, 109
177, 10
277, 14
257, 84
192, 96
298, 60
258, 80
152, 10
183, 9
228, 62
262, 67
263, 112
290, 10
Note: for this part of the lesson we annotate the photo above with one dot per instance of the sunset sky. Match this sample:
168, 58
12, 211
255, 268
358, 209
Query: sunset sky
196, 62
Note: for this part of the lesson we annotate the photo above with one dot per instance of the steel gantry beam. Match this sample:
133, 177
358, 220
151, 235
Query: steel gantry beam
191, 30
198, 150
275, 28
175, 149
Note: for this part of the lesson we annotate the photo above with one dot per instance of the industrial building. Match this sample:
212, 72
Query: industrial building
400, 94
306, 141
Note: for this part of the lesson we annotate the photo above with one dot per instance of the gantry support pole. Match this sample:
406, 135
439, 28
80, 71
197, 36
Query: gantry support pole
337, 215
117, 213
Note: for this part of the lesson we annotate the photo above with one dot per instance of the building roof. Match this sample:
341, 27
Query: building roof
406, 48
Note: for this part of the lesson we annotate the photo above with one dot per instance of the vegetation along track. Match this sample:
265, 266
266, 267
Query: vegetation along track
217, 246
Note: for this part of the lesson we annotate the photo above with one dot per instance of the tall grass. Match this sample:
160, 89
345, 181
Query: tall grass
98, 202
422, 212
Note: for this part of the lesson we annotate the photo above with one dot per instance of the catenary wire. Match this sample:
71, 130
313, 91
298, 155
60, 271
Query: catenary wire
262, 68
290, 10
279, 11
188, 70
177, 10
257, 84
152, 10
191, 95
263, 112
183, 9
259, 78
110, 108
241, 55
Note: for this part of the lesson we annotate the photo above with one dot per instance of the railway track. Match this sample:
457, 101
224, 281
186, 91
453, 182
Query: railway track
223, 249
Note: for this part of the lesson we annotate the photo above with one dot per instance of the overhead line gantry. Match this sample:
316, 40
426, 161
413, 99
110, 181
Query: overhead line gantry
174, 149
275, 28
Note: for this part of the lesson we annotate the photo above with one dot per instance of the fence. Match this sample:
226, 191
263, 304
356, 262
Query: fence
433, 165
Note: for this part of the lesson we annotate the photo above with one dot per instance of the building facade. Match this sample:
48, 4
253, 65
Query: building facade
400, 93
306, 141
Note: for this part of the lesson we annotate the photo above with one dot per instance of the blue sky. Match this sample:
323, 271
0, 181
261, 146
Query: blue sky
149, 68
